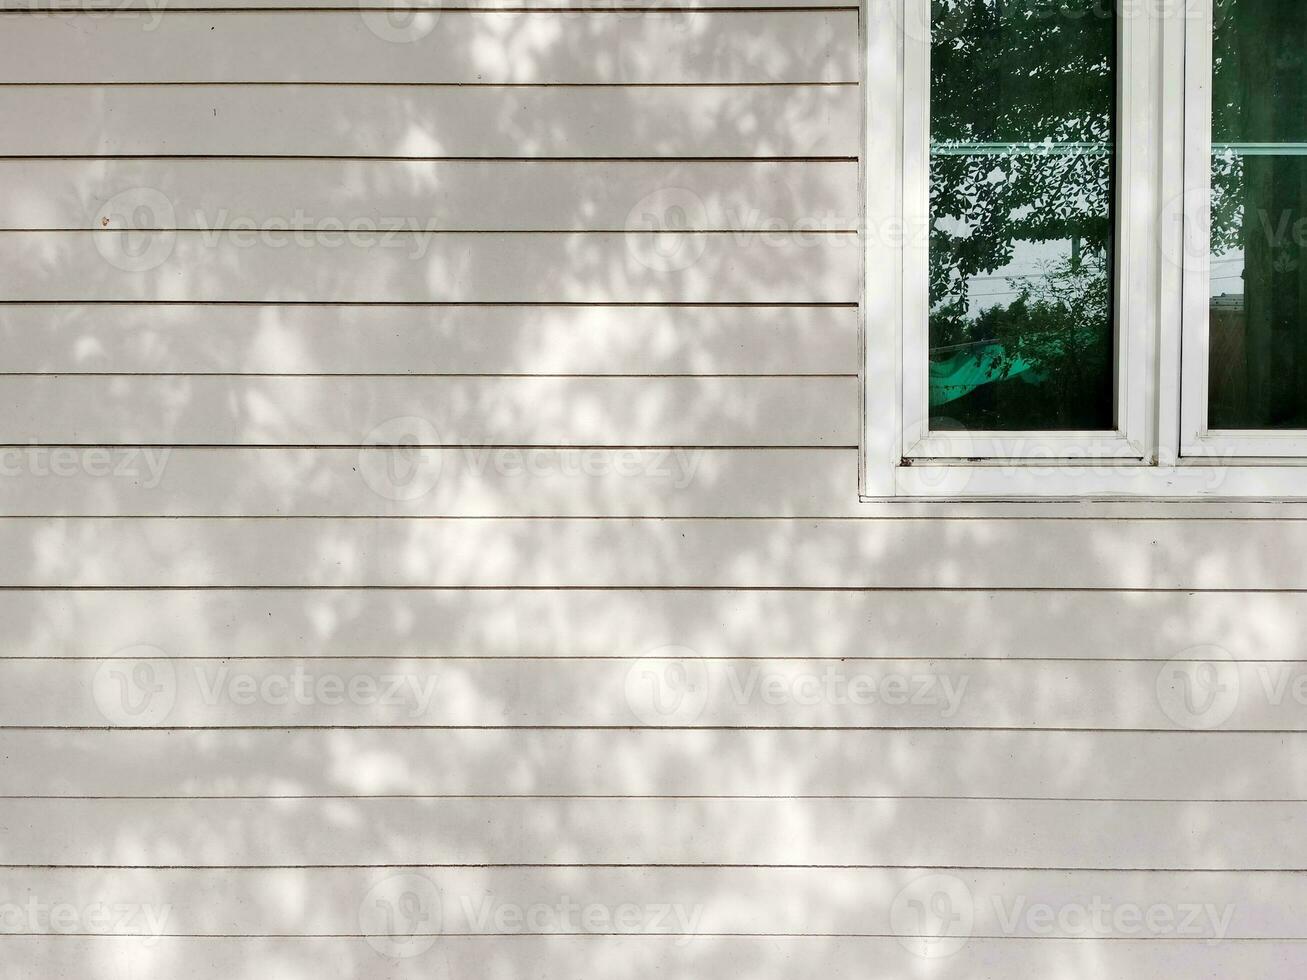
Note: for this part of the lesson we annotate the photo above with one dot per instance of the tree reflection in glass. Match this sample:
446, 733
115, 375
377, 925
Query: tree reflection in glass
1258, 321
1023, 105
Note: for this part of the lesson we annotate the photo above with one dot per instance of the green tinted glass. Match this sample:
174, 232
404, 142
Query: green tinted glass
1023, 103
1258, 368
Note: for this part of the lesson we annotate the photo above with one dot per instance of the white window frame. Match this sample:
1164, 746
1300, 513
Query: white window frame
1163, 147
1134, 307
1196, 439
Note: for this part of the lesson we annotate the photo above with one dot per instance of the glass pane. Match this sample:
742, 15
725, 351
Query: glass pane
1023, 104
1258, 367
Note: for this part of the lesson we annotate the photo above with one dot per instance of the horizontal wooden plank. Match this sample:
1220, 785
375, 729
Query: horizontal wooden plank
397, 411
751, 198
965, 625
686, 482
153, 12
652, 762
325, 339
644, 958
694, 903
194, 553
665, 687
470, 482
473, 121
912, 833
401, 267
463, 48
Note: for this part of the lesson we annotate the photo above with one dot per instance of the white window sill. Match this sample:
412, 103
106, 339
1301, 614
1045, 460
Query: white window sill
1044, 480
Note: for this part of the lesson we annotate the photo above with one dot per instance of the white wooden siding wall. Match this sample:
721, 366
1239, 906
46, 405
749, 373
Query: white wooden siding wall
233, 525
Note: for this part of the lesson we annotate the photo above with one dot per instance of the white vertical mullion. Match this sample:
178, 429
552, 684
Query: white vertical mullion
1194, 208
1173, 129
882, 176
1138, 81
916, 222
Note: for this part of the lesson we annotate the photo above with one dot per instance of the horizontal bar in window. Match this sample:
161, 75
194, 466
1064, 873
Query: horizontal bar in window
1262, 149
1047, 148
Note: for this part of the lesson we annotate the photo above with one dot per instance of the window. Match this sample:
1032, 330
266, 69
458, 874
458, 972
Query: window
1021, 217
1086, 237
1246, 350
